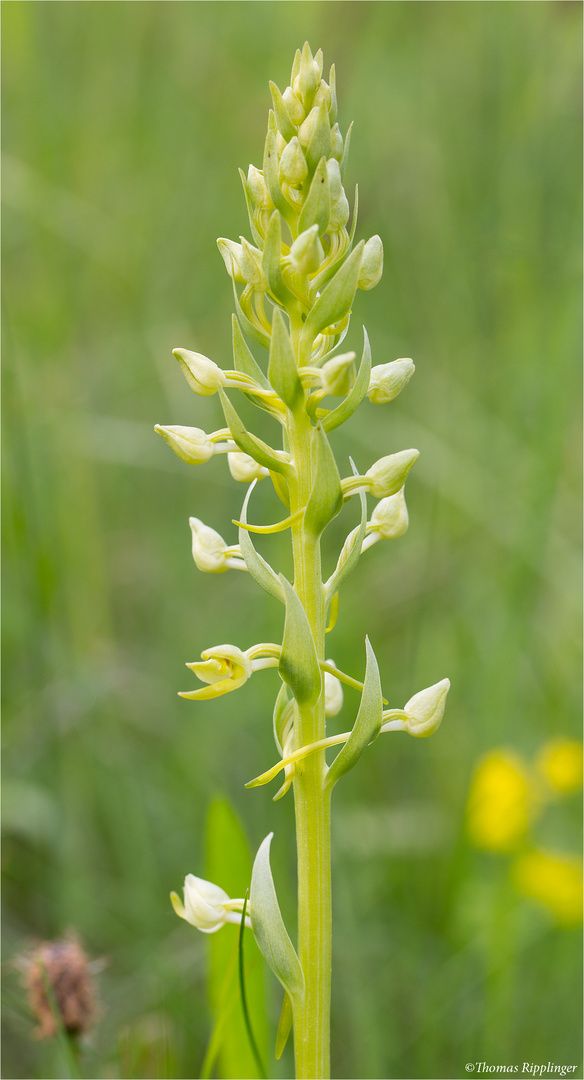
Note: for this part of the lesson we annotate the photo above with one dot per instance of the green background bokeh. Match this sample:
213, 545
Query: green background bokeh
124, 125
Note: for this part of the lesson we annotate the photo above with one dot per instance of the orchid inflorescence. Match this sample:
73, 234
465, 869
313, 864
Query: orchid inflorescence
294, 286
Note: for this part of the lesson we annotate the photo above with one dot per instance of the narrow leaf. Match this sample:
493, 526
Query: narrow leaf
268, 926
257, 237
243, 359
250, 444
349, 563
251, 330
355, 397
282, 115
317, 208
284, 1027
335, 301
326, 497
320, 141
271, 263
282, 369
367, 725
270, 170
346, 150
260, 570
299, 666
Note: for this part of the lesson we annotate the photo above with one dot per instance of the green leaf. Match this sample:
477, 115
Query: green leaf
250, 444
346, 150
228, 862
284, 1026
335, 301
243, 359
282, 369
257, 237
320, 141
298, 662
268, 926
317, 208
270, 170
367, 725
326, 497
358, 391
282, 115
343, 569
252, 331
271, 263
260, 570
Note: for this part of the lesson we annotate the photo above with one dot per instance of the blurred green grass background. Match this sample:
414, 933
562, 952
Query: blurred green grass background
124, 125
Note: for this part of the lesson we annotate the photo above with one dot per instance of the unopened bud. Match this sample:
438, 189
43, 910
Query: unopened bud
389, 474
281, 143
251, 265
202, 375
209, 548
426, 709
339, 213
293, 167
309, 74
388, 380
294, 106
243, 467
372, 264
334, 179
323, 93
337, 143
307, 252
258, 188
333, 693
390, 517
232, 255
338, 374
306, 129
189, 443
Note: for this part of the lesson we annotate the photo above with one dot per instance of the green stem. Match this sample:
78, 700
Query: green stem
311, 802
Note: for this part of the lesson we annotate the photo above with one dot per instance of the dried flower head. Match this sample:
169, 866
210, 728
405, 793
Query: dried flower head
60, 970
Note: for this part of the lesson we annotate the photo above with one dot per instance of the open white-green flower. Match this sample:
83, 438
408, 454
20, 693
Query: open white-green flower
205, 377
422, 714
243, 467
226, 668
193, 445
207, 906
385, 477
389, 520
210, 552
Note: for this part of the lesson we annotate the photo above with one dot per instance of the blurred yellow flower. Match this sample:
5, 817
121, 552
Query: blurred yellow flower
553, 880
500, 802
560, 763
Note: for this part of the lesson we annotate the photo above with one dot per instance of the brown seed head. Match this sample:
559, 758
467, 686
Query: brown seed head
64, 967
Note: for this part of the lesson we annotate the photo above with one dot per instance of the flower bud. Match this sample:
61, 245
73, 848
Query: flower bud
281, 144
294, 106
323, 93
339, 213
372, 264
337, 142
333, 693
209, 548
388, 474
334, 177
293, 167
202, 375
189, 443
307, 127
390, 517
307, 252
258, 189
338, 375
388, 380
309, 75
426, 709
251, 265
232, 255
243, 467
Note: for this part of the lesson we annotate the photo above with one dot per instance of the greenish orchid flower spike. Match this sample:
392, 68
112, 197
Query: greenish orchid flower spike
295, 282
